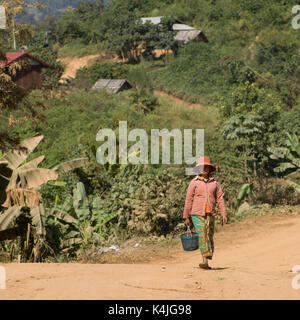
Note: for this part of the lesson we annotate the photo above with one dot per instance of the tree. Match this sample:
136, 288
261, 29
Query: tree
11, 96
287, 159
128, 36
249, 115
18, 31
68, 28
161, 36
41, 48
125, 35
247, 130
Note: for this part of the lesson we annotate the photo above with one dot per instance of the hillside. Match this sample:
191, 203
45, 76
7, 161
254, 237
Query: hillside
241, 87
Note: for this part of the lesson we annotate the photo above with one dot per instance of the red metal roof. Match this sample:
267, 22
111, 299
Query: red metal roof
13, 56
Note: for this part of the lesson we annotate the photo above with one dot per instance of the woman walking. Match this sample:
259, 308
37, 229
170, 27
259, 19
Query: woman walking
203, 193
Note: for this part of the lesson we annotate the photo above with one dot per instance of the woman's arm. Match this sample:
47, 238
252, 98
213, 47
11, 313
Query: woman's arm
189, 200
220, 200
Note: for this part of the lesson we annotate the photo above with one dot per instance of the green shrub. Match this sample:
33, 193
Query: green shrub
275, 192
288, 122
105, 70
194, 75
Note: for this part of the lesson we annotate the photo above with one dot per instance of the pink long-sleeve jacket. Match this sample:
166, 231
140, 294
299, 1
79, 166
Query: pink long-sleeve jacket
199, 192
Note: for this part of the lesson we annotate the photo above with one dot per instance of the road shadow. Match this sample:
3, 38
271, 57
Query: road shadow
214, 269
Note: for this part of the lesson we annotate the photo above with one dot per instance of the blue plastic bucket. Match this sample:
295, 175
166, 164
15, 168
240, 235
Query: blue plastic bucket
190, 241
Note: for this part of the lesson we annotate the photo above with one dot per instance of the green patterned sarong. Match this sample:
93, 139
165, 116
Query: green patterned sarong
205, 226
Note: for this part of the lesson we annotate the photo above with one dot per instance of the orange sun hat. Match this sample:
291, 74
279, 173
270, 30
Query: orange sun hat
204, 161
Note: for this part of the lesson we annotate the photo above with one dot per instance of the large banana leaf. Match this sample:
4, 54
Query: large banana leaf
5, 174
7, 218
279, 153
67, 243
38, 213
80, 202
284, 166
70, 165
32, 164
109, 217
245, 190
289, 155
58, 183
20, 153
294, 184
31, 178
294, 176
62, 215
293, 142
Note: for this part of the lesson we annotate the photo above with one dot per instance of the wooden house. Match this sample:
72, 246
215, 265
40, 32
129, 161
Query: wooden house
29, 77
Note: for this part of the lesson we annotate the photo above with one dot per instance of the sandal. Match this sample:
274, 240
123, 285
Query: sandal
204, 266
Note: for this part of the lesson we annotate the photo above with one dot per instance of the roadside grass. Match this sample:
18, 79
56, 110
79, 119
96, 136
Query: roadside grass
153, 248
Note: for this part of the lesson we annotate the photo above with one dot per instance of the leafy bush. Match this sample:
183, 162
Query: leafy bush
194, 75
105, 70
39, 48
288, 122
275, 192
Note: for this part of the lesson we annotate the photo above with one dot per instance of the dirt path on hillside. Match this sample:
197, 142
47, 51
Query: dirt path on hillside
176, 100
253, 260
73, 64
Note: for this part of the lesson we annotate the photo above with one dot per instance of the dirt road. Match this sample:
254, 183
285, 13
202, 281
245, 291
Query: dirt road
73, 64
253, 260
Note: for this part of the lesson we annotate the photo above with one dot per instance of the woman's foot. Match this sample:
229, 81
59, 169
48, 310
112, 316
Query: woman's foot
204, 266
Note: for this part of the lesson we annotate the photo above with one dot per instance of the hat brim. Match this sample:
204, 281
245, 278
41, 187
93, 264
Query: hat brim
196, 169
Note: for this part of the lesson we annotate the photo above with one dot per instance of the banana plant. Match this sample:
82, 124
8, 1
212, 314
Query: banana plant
288, 158
84, 220
20, 181
245, 191
117, 169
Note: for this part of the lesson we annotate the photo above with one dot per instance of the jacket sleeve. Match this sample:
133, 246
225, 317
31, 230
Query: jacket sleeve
189, 200
220, 200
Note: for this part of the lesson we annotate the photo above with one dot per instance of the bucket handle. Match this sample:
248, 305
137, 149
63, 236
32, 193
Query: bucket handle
189, 231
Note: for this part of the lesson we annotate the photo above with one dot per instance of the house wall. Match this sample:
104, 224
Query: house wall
29, 79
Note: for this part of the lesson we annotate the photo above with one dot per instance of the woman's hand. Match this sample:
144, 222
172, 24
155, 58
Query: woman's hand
224, 220
187, 221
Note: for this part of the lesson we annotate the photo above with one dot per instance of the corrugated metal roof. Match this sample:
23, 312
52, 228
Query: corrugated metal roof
13, 56
154, 20
182, 26
111, 85
187, 35
157, 20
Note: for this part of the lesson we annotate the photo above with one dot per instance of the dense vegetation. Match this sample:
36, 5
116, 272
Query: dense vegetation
246, 78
